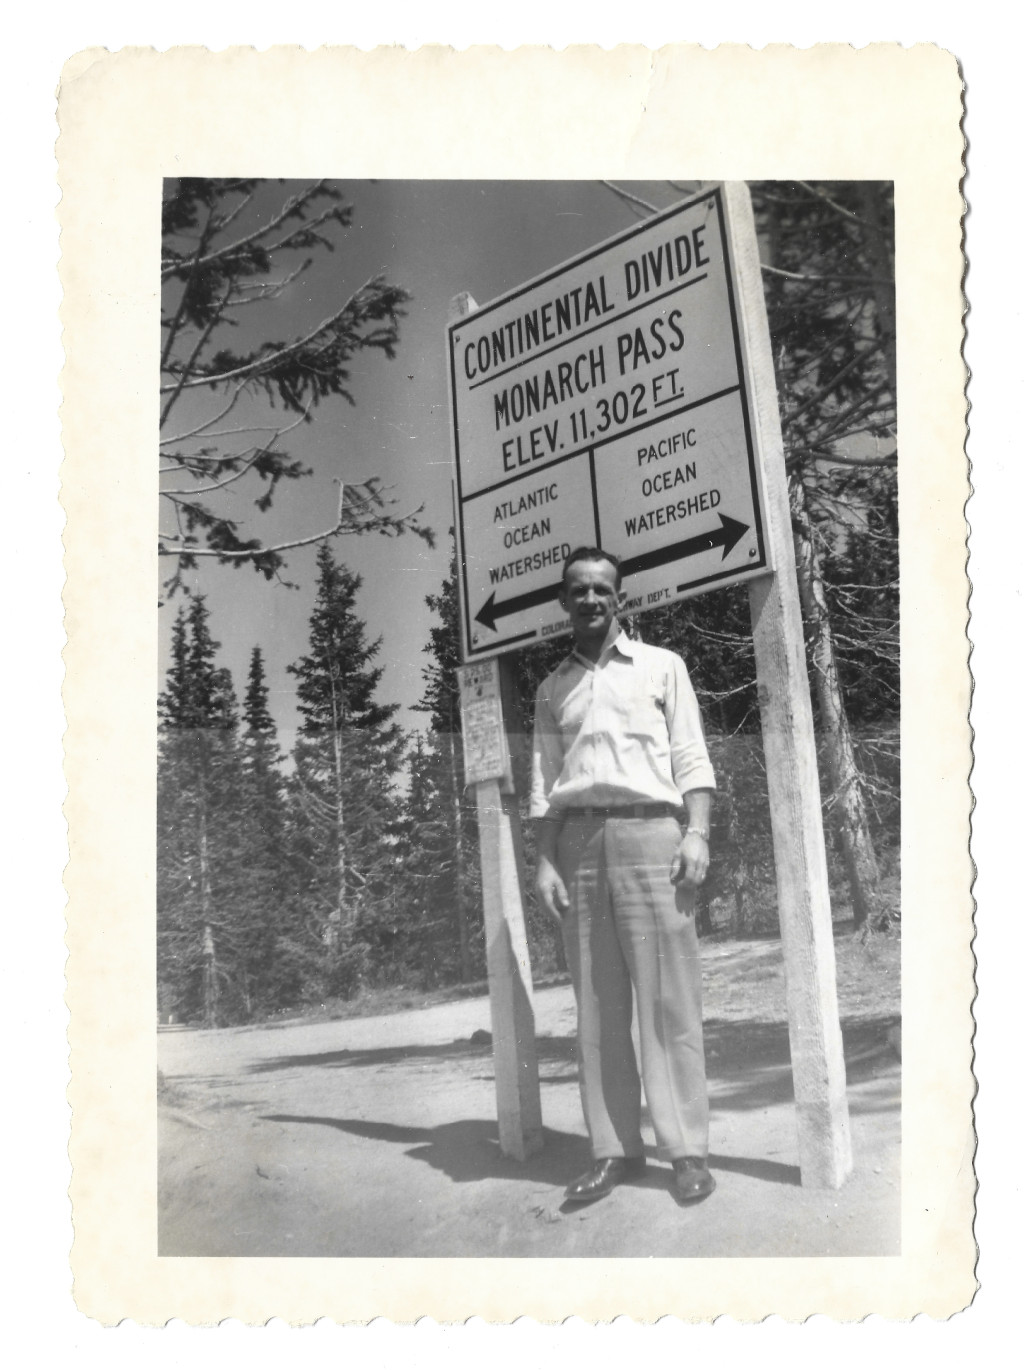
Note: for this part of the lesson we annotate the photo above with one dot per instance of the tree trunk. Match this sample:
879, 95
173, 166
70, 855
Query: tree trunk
210, 995
210, 987
876, 249
465, 959
733, 843
739, 895
338, 916
837, 742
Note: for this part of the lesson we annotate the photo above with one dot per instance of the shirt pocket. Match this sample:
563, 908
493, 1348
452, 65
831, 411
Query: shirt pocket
636, 701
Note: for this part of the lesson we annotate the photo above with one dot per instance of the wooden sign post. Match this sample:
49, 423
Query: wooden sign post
482, 686
805, 914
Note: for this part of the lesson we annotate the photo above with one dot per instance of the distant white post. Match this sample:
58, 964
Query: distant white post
483, 688
805, 916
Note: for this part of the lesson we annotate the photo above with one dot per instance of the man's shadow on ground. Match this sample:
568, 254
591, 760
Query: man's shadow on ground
748, 1062
748, 1067
468, 1151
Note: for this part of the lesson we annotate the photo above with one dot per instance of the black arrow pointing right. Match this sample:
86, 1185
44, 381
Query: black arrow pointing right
725, 537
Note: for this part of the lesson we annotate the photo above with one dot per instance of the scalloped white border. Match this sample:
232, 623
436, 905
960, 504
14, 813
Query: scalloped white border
829, 112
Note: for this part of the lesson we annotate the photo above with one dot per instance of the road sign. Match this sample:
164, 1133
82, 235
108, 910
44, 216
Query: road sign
606, 403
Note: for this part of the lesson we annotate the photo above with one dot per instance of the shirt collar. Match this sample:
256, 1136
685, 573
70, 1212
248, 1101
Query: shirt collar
624, 645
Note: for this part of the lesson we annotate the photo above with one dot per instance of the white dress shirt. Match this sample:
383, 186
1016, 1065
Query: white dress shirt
622, 730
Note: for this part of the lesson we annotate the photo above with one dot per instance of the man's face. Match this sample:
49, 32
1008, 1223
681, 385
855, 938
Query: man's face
590, 599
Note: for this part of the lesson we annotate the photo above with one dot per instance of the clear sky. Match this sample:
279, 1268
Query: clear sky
437, 239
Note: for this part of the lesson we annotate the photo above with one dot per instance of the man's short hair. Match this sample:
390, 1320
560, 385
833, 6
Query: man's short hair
591, 554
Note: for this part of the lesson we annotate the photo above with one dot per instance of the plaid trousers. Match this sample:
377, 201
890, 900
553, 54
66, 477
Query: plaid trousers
630, 930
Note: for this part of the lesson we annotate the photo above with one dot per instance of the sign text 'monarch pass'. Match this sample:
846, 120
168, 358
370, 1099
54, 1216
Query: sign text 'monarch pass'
606, 403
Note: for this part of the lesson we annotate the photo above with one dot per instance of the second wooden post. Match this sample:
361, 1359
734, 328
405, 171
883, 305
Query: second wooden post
805, 911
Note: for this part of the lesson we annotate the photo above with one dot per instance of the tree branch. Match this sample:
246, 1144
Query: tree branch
243, 470
201, 341
233, 214
287, 210
857, 360
844, 280
183, 437
175, 324
846, 213
238, 456
630, 198
397, 523
268, 290
854, 461
260, 364
831, 425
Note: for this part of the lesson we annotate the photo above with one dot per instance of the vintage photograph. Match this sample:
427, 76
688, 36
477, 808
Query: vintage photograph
484, 927
518, 751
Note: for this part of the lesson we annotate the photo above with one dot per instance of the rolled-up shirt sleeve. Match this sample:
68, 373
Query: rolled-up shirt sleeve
548, 754
691, 765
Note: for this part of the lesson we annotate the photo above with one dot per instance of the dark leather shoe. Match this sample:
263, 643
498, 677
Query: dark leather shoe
693, 1180
603, 1176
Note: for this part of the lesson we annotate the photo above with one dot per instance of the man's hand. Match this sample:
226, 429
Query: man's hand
551, 889
690, 863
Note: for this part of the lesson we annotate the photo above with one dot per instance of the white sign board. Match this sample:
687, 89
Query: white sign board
607, 404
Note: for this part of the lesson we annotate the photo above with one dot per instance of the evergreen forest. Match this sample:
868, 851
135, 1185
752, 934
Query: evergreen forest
298, 882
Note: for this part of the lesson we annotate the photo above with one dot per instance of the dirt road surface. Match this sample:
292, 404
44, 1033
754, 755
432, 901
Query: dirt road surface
377, 1137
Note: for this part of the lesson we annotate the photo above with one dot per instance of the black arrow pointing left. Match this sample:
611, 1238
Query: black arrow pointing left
491, 612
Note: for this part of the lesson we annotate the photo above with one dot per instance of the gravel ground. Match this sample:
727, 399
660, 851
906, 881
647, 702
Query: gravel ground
376, 1136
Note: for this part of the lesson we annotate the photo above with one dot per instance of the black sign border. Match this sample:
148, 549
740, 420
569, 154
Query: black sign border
496, 646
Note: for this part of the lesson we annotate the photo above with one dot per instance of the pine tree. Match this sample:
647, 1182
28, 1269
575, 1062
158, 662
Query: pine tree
441, 701
347, 755
439, 929
198, 828
259, 721
273, 957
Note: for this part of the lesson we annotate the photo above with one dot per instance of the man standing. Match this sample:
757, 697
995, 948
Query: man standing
618, 756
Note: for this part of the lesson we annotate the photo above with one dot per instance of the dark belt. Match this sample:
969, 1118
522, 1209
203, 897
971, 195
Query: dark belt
623, 811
